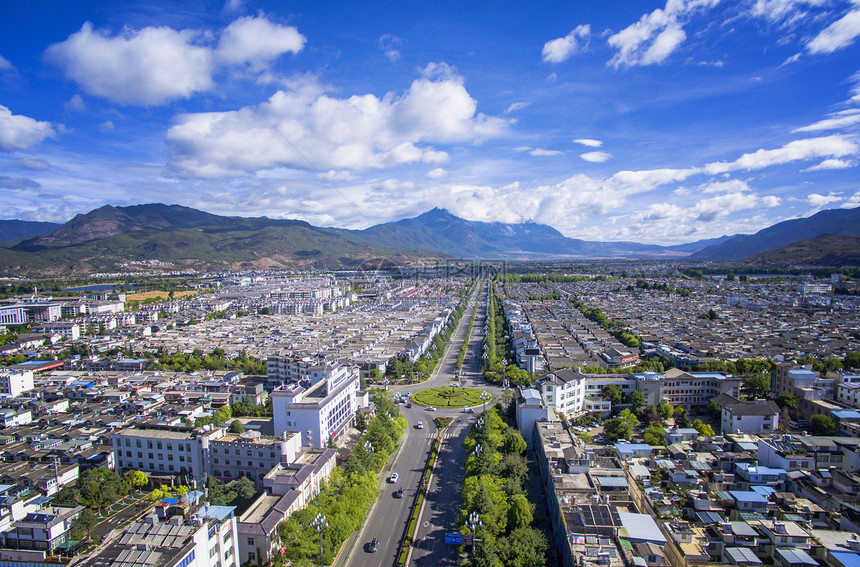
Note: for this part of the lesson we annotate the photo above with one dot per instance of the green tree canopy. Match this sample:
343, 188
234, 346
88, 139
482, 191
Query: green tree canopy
787, 401
617, 428
613, 393
757, 387
822, 425
636, 399
703, 428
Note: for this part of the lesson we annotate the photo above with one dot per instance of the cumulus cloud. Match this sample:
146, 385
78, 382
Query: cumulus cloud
436, 173
390, 46
852, 202
655, 36
256, 40
820, 201
824, 147
516, 106
589, 142
831, 164
725, 198
539, 152
340, 176
560, 49
595, 157
839, 34
305, 128
156, 65
19, 132
838, 120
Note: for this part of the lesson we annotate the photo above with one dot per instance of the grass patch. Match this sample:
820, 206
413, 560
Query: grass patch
448, 397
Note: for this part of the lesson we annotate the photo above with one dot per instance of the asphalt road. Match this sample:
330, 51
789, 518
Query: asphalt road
387, 520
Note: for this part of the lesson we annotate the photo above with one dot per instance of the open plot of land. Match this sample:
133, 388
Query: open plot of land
448, 397
157, 294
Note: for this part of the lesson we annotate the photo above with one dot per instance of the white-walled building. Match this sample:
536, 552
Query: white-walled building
14, 382
67, 329
757, 416
211, 451
319, 411
563, 391
176, 535
529, 410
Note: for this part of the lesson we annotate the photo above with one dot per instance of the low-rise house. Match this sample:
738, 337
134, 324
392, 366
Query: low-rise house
757, 416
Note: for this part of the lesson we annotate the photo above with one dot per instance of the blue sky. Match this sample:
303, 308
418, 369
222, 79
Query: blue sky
658, 122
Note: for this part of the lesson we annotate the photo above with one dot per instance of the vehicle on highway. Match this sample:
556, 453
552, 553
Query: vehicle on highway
393, 478
420, 425
398, 493
373, 545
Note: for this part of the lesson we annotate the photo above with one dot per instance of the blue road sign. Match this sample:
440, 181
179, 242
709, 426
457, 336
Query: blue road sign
454, 539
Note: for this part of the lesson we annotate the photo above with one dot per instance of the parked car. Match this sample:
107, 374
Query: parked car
393, 478
373, 545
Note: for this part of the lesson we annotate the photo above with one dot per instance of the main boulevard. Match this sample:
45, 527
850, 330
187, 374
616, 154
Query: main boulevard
388, 518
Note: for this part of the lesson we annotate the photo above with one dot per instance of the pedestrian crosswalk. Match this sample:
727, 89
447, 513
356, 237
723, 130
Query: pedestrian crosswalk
431, 435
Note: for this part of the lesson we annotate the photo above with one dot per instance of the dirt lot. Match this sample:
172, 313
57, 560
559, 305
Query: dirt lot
159, 294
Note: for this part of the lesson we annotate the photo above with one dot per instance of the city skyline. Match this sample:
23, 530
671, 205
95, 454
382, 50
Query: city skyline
656, 122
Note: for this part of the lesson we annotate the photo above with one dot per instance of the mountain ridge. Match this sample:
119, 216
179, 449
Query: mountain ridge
111, 236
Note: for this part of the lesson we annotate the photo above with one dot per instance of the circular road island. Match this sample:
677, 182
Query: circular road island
450, 397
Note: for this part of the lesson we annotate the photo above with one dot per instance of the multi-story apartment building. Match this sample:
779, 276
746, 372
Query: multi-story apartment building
251, 455
848, 390
183, 534
14, 382
291, 368
206, 451
67, 329
756, 416
319, 411
563, 391
164, 451
44, 529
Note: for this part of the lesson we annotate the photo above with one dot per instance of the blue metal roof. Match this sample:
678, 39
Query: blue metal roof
747, 496
641, 527
615, 481
846, 558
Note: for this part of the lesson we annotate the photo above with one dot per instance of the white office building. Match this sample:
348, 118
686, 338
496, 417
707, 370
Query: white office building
563, 391
14, 382
321, 410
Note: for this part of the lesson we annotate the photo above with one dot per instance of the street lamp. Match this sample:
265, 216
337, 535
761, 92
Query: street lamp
473, 523
484, 397
320, 523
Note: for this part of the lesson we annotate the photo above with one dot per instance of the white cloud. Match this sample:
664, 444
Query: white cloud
147, 67
18, 183
256, 40
831, 164
156, 65
839, 120
655, 36
19, 132
839, 34
307, 129
33, 163
337, 176
819, 201
5, 65
390, 46
539, 152
516, 106
437, 173
560, 49
852, 202
106, 126
810, 148
589, 142
595, 157
783, 11
75, 104
727, 198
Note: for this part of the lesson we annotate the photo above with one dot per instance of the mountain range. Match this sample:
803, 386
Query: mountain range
108, 238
